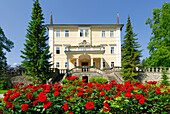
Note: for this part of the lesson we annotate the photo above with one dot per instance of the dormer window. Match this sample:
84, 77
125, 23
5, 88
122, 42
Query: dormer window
84, 32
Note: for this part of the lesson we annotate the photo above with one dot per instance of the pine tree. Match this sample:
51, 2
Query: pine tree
5, 45
130, 53
36, 51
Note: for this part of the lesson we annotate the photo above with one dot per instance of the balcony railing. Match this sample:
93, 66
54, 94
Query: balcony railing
84, 49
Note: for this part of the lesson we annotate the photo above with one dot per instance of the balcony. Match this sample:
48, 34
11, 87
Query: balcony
99, 49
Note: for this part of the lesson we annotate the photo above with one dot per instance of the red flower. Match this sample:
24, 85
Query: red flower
47, 104
34, 103
102, 93
56, 93
167, 106
106, 107
142, 101
79, 94
137, 96
66, 106
29, 96
89, 105
42, 97
70, 113
8, 104
24, 107
128, 95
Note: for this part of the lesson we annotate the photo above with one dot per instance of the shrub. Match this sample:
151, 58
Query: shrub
165, 78
88, 98
71, 80
98, 80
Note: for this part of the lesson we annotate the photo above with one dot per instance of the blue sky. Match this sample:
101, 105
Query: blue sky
16, 14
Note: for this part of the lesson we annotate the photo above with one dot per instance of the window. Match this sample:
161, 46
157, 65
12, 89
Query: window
57, 50
66, 48
75, 64
94, 63
67, 33
112, 64
104, 48
104, 64
112, 50
84, 32
57, 64
65, 64
111, 33
57, 33
103, 33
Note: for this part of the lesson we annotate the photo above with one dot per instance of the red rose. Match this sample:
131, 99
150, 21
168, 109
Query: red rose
79, 94
167, 106
8, 104
34, 103
142, 101
42, 97
24, 107
128, 95
29, 96
66, 106
106, 107
70, 113
47, 104
102, 93
89, 105
56, 93
137, 96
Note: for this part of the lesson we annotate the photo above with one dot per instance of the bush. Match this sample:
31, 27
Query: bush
71, 80
165, 78
88, 98
98, 80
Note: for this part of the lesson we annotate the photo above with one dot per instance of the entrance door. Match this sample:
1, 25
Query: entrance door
84, 64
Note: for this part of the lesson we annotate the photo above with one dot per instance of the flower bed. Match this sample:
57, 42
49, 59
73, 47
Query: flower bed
92, 98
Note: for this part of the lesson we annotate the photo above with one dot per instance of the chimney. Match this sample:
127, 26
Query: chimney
117, 18
51, 19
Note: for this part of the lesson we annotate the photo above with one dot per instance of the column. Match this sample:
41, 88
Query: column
77, 61
67, 63
101, 63
91, 61
51, 44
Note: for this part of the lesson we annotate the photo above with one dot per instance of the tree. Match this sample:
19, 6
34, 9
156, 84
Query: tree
159, 45
130, 53
36, 51
5, 45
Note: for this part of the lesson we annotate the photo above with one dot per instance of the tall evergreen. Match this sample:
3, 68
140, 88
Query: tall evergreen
130, 53
5, 45
36, 51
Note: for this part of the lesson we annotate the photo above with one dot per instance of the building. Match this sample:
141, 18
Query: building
96, 45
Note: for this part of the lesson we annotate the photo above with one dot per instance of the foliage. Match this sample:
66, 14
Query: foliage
36, 51
160, 41
71, 80
98, 80
165, 78
130, 53
5, 44
4, 83
88, 98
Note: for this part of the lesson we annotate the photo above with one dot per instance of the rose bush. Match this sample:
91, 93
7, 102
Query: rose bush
79, 97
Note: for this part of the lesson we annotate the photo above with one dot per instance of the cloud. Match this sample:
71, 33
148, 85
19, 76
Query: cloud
14, 64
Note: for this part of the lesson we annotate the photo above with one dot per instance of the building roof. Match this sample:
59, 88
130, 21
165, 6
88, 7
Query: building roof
50, 25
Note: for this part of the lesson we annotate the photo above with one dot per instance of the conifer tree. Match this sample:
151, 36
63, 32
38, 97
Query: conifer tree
5, 45
36, 51
130, 53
